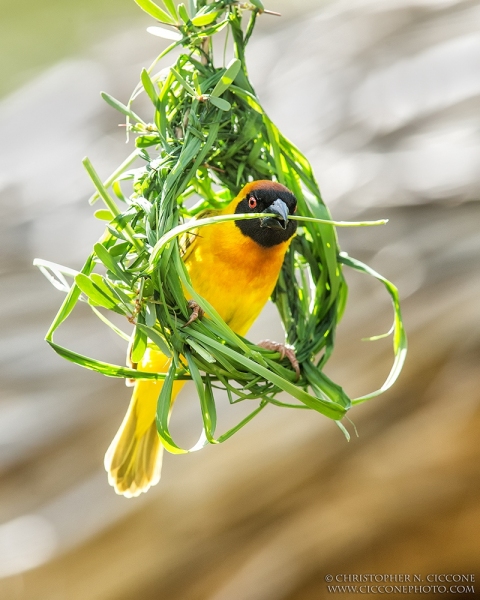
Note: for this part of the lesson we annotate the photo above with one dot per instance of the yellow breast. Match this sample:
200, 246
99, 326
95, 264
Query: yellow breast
234, 273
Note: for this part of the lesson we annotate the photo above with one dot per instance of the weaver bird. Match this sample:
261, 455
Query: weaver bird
234, 265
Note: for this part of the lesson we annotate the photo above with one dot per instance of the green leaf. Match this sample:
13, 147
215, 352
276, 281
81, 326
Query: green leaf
209, 31
117, 105
210, 410
242, 423
327, 407
227, 78
149, 87
343, 429
99, 281
324, 386
156, 338
205, 19
196, 83
108, 260
102, 367
146, 141
148, 288
103, 215
183, 81
200, 350
209, 414
220, 103
182, 11
95, 294
163, 412
101, 190
150, 314
70, 301
170, 6
139, 345
155, 11
115, 175
399, 335
274, 142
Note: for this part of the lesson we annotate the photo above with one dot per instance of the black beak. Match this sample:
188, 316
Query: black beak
279, 221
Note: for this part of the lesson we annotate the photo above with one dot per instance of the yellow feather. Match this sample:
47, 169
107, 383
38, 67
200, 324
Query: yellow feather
134, 458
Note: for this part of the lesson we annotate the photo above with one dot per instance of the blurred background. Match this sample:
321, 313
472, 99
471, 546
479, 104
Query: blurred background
383, 96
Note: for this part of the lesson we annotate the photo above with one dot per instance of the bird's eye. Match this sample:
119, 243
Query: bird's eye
252, 202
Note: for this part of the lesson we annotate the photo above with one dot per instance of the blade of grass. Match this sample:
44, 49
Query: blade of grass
399, 335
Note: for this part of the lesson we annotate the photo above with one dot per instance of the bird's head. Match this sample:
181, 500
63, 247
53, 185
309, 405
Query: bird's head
268, 197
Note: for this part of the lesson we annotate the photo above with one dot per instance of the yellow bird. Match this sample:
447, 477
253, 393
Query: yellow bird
233, 265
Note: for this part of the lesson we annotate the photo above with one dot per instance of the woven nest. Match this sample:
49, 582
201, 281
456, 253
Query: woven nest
209, 136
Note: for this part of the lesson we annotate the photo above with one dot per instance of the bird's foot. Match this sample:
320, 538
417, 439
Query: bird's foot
197, 312
285, 351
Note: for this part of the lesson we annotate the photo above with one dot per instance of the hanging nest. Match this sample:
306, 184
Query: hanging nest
208, 137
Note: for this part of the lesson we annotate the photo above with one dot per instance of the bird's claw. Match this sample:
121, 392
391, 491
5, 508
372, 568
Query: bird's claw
285, 351
197, 312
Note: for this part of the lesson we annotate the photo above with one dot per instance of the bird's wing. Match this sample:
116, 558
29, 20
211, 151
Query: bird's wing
187, 240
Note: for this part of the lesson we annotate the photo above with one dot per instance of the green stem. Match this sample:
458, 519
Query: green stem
126, 163
110, 203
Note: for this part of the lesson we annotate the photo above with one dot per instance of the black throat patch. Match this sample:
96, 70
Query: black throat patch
266, 236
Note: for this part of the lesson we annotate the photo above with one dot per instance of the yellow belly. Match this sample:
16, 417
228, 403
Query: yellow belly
233, 273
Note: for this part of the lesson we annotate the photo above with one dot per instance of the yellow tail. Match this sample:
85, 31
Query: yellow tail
134, 458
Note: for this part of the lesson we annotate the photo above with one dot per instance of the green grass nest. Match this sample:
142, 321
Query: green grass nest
208, 137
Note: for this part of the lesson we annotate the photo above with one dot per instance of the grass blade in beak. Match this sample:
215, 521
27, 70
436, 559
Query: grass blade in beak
278, 222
